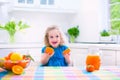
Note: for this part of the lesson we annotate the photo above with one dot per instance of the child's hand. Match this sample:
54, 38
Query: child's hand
49, 50
67, 58
67, 51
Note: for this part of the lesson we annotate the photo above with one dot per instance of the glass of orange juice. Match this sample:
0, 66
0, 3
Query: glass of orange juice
93, 58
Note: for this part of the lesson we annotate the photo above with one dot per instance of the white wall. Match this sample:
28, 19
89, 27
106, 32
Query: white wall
92, 16
39, 21
4, 17
3, 13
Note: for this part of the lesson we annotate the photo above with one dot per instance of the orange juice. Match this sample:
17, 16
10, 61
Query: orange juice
93, 60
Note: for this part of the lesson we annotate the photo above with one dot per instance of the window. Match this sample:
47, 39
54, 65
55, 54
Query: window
29, 1
21, 1
25, 1
115, 16
47, 2
44, 2
51, 2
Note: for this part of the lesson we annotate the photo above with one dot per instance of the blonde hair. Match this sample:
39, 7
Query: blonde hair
52, 27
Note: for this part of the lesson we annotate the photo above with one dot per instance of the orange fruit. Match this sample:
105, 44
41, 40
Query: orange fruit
24, 63
8, 64
16, 56
67, 51
90, 68
49, 50
17, 69
7, 58
24, 56
10, 54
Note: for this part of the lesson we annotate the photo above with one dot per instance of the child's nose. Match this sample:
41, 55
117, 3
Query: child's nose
54, 39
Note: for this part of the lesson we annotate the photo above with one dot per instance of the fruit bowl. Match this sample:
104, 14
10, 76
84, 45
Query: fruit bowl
15, 62
8, 64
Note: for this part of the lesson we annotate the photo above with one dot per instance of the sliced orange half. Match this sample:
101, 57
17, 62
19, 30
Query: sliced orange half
17, 69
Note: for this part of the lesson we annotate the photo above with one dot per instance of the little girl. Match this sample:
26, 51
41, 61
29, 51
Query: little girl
53, 38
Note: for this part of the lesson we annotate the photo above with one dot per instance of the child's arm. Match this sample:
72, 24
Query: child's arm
46, 56
67, 58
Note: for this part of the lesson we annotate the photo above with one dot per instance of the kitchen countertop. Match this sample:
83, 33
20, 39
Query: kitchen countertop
71, 45
22, 45
100, 46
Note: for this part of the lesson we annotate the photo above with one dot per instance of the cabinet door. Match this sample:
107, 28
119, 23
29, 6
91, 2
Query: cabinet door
34, 3
78, 56
34, 52
36, 55
24, 3
5, 52
108, 58
118, 58
67, 4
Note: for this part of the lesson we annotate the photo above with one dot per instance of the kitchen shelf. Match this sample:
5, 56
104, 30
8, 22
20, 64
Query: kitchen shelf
2, 2
49, 10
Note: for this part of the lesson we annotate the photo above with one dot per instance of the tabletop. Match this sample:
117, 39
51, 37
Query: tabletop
63, 73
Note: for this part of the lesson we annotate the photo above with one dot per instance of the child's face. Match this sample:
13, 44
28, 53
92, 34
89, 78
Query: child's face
54, 38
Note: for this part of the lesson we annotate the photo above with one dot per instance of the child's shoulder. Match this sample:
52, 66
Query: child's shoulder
43, 47
64, 46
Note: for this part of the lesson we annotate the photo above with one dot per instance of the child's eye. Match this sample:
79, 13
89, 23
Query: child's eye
51, 36
57, 36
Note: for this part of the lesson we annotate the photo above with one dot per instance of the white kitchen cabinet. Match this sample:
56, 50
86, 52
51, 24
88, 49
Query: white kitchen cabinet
110, 55
78, 56
3, 11
34, 52
67, 4
118, 58
4, 52
60, 6
108, 58
2, 2
24, 3
35, 3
